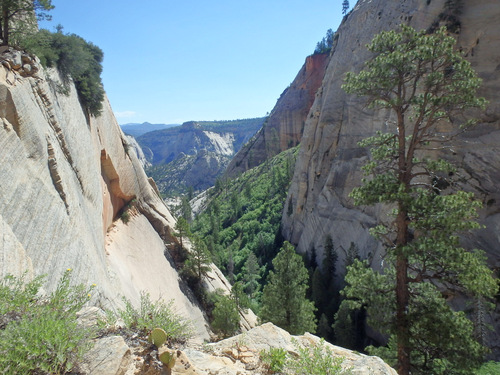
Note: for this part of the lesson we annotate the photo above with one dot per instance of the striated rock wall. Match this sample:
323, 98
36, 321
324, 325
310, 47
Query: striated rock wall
65, 179
285, 124
328, 165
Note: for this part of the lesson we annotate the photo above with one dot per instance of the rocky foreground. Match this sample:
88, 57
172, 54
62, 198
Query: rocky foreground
238, 355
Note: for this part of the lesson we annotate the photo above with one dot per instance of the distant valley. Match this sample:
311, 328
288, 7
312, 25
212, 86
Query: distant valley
136, 130
190, 157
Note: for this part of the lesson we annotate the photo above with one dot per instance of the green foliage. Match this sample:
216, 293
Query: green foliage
317, 360
345, 6
40, 334
158, 337
75, 59
424, 82
241, 225
274, 359
489, 368
326, 44
13, 11
125, 216
198, 262
182, 230
155, 314
226, 317
284, 301
186, 211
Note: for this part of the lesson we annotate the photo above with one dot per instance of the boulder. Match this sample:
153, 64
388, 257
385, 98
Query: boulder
109, 356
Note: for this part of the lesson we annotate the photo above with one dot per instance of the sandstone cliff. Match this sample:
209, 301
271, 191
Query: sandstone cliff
328, 165
285, 124
65, 179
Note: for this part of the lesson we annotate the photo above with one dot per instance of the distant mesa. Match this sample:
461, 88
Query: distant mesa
136, 130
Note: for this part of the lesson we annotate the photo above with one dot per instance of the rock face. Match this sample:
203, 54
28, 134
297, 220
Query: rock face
285, 124
328, 166
132, 144
65, 180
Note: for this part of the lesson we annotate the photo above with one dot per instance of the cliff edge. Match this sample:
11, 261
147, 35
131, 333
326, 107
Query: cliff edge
66, 179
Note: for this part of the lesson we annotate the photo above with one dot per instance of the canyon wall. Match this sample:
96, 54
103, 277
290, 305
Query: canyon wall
329, 162
65, 181
285, 124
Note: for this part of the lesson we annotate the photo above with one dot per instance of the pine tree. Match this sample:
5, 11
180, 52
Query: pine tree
182, 230
424, 83
22, 10
251, 276
198, 261
345, 6
283, 299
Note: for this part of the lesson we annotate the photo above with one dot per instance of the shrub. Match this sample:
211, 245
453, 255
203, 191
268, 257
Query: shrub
157, 314
316, 360
40, 334
274, 359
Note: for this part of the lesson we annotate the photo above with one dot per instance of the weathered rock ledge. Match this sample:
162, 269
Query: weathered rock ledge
238, 355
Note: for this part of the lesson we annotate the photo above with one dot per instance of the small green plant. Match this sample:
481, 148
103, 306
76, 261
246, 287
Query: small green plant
125, 216
158, 337
167, 358
316, 360
155, 314
274, 359
40, 334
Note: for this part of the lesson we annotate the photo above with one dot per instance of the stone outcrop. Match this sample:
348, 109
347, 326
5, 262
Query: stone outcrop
238, 355
17, 62
329, 162
65, 180
285, 125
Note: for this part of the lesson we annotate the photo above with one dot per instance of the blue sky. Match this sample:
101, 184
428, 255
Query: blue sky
171, 61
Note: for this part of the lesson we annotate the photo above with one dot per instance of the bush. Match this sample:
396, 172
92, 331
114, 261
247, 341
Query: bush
274, 359
40, 334
75, 59
158, 314
316, 360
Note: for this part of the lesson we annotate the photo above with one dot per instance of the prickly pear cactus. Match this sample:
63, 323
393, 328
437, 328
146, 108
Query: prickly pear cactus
167, 358
158, 337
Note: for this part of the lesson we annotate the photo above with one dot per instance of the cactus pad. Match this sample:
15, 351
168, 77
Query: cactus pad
168, 359
158, 337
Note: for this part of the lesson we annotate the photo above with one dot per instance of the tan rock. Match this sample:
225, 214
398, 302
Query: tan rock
64, 180
245, 348
109, 356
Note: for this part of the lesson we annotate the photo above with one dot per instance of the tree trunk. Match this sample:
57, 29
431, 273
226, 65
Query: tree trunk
5, 27
402, 296
402, 291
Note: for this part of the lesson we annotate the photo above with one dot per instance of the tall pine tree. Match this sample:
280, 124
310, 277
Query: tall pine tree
424, 83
